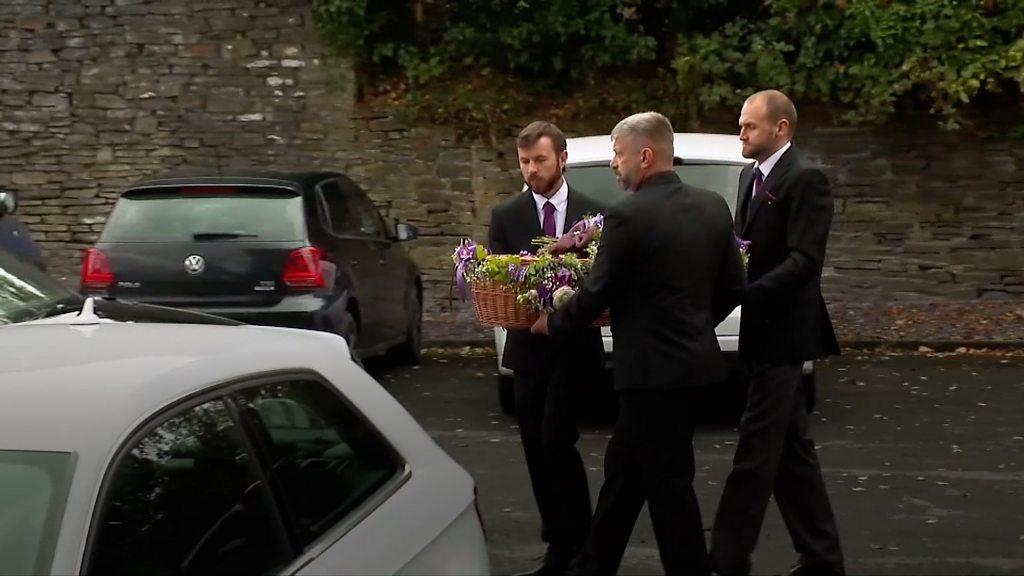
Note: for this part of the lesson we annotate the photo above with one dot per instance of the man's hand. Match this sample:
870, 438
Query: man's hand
541, 325
575, 240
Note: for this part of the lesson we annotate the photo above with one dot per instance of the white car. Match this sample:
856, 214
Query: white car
149, 448
709, 161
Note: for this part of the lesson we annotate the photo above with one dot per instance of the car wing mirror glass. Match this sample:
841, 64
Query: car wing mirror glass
404, 232
8, 202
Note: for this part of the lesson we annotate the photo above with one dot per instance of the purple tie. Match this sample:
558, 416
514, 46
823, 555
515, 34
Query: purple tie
549, 219
758, 181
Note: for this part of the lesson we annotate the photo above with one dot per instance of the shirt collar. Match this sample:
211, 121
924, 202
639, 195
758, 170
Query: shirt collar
768, 164
560, 199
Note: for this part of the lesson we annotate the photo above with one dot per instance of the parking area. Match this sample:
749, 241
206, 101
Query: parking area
924, 458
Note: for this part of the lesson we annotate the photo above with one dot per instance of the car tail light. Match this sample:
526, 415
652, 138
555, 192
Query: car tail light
96, 271
304, 269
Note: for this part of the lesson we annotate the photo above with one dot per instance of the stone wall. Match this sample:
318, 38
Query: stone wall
99, 93
923, 213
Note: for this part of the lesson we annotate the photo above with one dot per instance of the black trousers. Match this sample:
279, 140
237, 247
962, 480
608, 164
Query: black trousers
649, 458
775, 455
547, 403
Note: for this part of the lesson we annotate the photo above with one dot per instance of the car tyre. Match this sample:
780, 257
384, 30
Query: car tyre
350, 331
410, 352
507, 394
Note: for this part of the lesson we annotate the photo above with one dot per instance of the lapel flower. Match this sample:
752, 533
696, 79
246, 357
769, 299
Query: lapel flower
744, 247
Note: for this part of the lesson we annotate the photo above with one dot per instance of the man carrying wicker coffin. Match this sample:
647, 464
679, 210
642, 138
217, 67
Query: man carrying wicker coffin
669, 270
548, 377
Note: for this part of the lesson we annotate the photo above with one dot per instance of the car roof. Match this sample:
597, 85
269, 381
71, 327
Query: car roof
293, 180
81, 387
688, 146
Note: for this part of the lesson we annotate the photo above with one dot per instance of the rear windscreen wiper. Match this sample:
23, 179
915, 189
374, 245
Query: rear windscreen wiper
222, 235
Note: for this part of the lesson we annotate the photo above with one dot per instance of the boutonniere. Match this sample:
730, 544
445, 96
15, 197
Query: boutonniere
744, 247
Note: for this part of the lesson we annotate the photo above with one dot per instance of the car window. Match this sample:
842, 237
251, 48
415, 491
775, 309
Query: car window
223, 213
187, 498
33, 491
27, 293
599, 181
340, 217
326, 459
365, 213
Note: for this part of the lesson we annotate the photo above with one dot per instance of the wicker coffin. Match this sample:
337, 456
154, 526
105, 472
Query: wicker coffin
496, 306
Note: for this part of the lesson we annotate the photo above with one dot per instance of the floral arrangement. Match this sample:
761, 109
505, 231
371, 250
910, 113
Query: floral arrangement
543, 282
584, 237
744, 247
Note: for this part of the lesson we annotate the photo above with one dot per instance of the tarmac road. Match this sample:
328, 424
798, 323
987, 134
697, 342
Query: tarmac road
924, 458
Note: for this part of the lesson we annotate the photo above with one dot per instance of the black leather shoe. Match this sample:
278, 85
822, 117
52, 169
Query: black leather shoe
554, 564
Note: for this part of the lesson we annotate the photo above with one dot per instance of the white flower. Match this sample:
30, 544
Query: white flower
561, 296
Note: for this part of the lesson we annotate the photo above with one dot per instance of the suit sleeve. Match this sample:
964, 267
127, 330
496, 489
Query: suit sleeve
807, 225
732, 279
610, 272
737, 221
497, 237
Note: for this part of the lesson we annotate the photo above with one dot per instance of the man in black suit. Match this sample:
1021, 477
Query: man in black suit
669, 270
548, 376
784, 210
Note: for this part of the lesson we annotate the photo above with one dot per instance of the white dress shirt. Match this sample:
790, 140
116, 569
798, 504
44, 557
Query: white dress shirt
561, 201
768, 164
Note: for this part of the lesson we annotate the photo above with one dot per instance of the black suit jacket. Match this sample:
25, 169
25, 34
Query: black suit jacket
784, 315
514, 225
669, 270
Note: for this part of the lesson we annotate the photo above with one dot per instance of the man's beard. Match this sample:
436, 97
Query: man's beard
547, 188
625, 183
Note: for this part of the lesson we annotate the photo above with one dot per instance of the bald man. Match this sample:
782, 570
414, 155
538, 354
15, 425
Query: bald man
784, 209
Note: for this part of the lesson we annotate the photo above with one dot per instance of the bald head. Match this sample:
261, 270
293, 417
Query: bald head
766, 124
777, 105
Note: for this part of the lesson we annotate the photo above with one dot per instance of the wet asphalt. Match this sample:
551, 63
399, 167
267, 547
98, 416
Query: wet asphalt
923, 457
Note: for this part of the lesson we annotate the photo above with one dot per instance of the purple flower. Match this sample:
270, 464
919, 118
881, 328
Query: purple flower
467, 250
544, 293
563, 277
521, 275
517, 273
743, 245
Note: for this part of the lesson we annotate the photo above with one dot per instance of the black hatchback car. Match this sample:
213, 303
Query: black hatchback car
306, 250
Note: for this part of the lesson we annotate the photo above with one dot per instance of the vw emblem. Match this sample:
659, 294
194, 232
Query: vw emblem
195, 264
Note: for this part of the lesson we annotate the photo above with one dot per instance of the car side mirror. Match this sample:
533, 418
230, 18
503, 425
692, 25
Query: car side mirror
8, 202
404, 232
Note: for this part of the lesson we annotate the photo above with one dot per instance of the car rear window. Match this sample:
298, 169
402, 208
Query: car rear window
599, 182
33, 492
222, 213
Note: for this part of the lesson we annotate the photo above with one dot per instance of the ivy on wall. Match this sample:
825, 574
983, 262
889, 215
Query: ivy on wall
478, 62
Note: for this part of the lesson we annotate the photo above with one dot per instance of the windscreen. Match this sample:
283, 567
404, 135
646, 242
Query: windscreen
27, 293
599, 181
